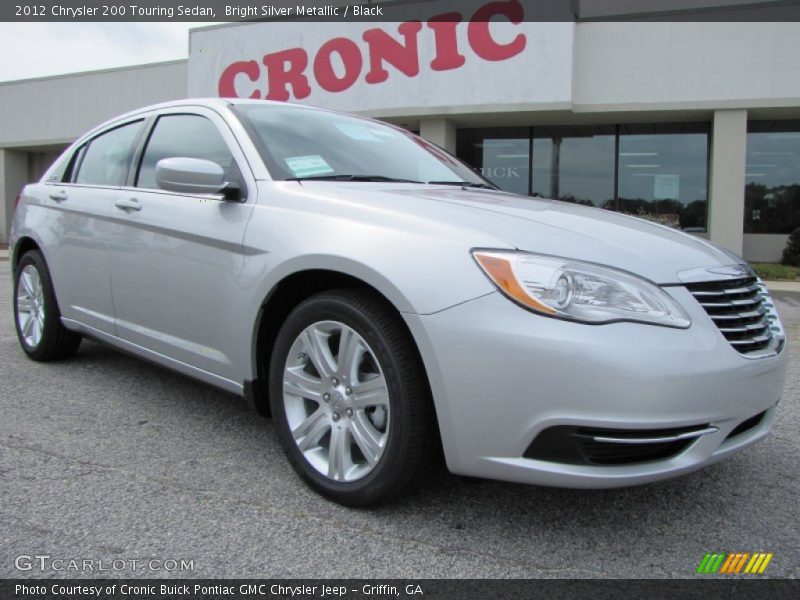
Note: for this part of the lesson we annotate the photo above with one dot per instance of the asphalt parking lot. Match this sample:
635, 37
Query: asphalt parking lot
107, 457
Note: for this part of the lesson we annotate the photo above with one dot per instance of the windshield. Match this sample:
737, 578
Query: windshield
304, 143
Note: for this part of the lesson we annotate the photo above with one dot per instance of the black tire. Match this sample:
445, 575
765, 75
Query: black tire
56, 342
412, 451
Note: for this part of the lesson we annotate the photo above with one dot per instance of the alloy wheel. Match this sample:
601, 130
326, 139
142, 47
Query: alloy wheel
336, 401
30, 306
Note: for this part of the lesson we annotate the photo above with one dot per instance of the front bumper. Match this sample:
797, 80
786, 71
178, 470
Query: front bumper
501, 375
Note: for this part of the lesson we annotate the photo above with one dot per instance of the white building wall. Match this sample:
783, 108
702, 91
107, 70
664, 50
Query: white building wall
13, 176
727, 179
38, 117
675, 66
764, 247
56, 110
441, 132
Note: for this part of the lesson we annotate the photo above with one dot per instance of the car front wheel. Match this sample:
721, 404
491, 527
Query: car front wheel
351, 399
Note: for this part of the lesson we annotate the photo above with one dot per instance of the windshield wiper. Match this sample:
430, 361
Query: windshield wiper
352, 178
483, 186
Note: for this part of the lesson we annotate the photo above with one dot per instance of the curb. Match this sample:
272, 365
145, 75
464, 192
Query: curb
783, 286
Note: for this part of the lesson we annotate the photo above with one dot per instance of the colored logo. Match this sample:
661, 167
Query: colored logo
735, 563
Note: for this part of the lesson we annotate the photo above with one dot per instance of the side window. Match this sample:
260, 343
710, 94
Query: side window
59, 172
105, 160
185, 136
72, 168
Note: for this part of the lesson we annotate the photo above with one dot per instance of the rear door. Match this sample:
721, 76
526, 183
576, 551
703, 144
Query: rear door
177, 259
82, 198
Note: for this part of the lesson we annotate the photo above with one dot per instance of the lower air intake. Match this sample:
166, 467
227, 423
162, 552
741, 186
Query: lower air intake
747, 425
593, 446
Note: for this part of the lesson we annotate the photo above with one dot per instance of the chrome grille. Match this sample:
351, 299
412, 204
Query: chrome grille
744, 313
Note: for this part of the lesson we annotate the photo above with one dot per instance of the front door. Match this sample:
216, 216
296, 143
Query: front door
177, 259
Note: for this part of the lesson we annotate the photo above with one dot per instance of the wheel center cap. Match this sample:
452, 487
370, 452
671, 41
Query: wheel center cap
337, 399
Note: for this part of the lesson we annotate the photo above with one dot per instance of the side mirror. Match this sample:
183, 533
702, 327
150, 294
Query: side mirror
190, 176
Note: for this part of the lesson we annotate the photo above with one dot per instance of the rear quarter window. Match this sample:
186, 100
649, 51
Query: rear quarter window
106, 158
59, 172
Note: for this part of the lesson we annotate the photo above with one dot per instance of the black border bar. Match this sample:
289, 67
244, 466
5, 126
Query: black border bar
375, 11
700, 587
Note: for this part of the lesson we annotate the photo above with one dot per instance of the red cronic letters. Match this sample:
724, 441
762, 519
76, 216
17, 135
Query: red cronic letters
339, 62
286, 68
480, 38
444, 36
350, 55
383, 47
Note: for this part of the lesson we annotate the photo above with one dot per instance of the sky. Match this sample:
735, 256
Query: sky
44, 49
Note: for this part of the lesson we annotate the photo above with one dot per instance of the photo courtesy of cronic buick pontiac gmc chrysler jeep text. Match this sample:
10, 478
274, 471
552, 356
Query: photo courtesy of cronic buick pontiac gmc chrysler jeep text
387, 305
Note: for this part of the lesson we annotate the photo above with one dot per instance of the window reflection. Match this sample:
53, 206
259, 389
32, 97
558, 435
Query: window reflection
655, 171
501, 155
772, 177
663, 173
575, 164
543, 168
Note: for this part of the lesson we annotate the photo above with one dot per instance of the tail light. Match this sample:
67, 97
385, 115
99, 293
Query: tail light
16, 201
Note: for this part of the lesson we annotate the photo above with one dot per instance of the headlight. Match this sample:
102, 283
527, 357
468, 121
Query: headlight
579, 291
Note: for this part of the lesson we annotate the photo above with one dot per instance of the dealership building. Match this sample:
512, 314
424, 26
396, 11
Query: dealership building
694, 124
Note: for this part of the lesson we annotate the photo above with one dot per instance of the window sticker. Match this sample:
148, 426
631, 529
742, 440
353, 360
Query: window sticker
386, 132
308, 166
666, 187
358, 132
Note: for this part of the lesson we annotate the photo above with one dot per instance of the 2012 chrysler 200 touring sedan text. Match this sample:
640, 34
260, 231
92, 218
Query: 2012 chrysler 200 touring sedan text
386, 304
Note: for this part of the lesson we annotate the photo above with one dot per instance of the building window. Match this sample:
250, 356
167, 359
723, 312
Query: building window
663, 172
655, 171
502, 155
772, 177
575, 164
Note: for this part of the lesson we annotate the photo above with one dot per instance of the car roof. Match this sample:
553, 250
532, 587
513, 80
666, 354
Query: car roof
212, 103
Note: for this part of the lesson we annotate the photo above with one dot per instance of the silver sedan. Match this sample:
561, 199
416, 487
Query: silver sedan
389, 306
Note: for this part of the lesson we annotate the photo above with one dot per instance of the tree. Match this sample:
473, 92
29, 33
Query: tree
791, 254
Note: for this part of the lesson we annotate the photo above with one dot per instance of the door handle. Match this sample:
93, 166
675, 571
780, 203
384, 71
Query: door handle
128, 204
59, 196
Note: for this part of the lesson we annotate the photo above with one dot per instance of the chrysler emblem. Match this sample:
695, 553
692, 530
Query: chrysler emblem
731, 270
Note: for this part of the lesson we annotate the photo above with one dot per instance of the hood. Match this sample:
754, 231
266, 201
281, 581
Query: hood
500, 219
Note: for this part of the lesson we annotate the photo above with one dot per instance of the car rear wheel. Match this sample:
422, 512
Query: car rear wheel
351, 399
36, 314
